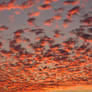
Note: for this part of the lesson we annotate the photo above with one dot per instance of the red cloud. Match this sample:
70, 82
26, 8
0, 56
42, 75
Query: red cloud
45, 7
11, 5
3, 28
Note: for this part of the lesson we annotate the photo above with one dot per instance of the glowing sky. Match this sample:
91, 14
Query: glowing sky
45, 42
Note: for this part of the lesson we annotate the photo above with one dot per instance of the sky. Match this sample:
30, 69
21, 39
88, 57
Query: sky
45, 44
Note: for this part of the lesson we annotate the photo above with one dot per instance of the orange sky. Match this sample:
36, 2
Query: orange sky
45, 44
65, 89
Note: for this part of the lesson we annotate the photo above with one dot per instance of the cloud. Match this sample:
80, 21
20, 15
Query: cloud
3, 28
11, 5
